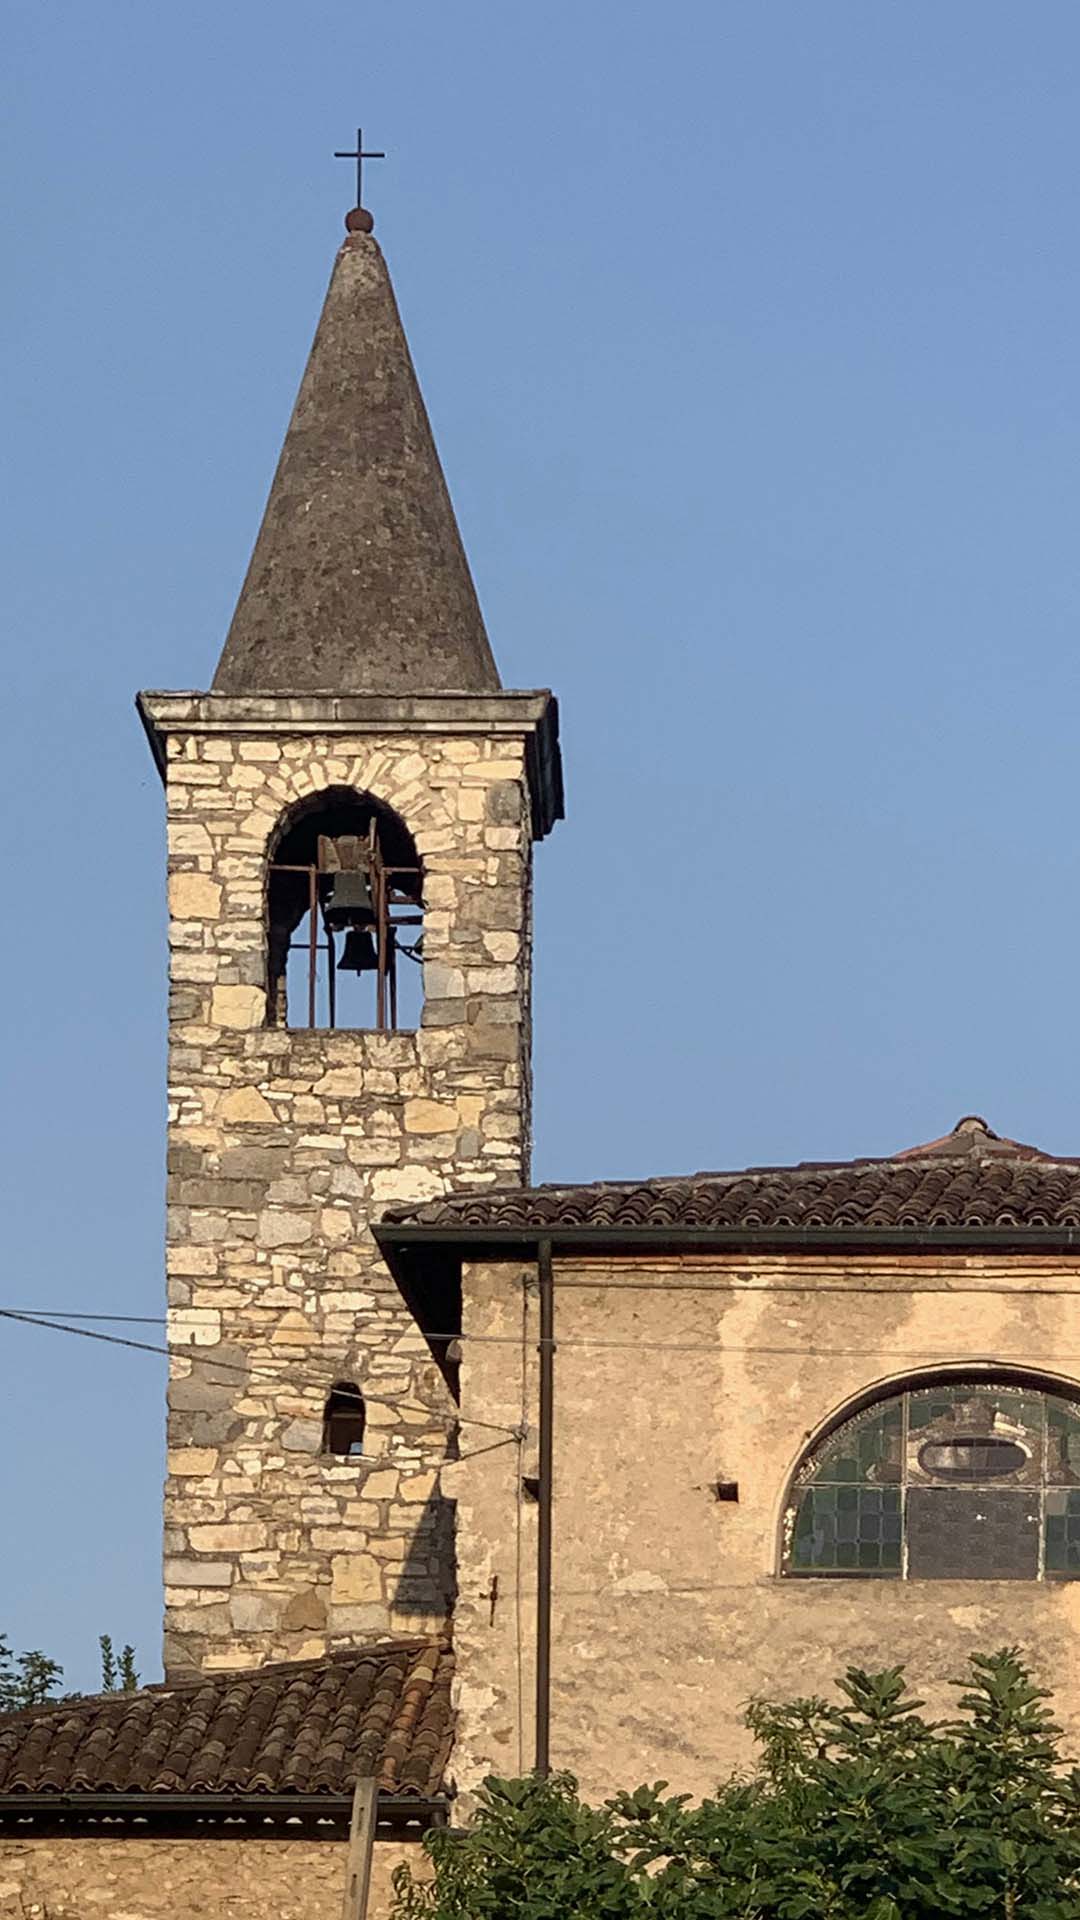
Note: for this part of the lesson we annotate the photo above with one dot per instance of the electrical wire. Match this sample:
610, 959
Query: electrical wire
739, 1288
801, 1351
227, 1366
726, 1346
511, 1440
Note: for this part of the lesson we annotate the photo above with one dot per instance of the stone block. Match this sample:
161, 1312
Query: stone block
283, 1229
492, 909
211, 1621
186, 837
346, 1082
195, 1261
194, 896
199, 1395
355, 1578
347, 1182
252, 1163
198, 1573
503, 947
239, 1008
306, 1609
194, 1461
382, 1485
492, 1043
442, 982
302, 1436
417, 1486
200, 1430
252, 1612
391, 1184
239, 1536
430, 1116
194, 1327
352, 1620
504, 803
245, 1106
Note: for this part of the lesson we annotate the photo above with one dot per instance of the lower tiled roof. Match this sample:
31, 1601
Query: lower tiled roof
970, 1178
309, 1726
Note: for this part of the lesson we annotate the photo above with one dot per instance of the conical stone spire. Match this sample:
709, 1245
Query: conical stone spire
359, 581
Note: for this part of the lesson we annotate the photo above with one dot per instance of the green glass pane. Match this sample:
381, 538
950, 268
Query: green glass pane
1063, 1443
846, 1530
865, 1449
1016, 1405
1061, 1534
925, 1408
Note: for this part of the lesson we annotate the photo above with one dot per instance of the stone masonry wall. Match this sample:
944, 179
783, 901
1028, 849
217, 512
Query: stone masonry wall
282, 1147
86, 1876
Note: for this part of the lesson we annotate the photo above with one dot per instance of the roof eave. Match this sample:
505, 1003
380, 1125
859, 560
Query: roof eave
478, 1242
167, 1805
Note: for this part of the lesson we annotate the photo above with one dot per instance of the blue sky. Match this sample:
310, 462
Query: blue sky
749, 337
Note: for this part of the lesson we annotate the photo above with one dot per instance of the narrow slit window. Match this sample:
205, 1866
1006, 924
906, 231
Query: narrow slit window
344, 1419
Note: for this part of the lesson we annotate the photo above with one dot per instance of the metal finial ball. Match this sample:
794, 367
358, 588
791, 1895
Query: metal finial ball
359, 221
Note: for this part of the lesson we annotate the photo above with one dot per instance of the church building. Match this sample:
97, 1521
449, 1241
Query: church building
465, 1473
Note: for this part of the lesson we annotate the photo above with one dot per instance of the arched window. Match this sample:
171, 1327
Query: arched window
344, 916
344, 1417
954, 1479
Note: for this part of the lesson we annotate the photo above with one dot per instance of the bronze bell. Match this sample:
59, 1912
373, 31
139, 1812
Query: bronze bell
349, 903
359, 954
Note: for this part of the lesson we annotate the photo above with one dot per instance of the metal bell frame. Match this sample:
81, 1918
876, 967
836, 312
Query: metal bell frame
373, 894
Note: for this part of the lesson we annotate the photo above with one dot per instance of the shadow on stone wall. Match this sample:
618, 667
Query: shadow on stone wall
427, 1582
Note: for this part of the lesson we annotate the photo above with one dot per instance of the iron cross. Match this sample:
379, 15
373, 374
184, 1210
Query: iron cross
359, 156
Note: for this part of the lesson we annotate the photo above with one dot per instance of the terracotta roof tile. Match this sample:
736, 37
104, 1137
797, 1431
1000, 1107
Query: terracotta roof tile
970, 1178
309, 1726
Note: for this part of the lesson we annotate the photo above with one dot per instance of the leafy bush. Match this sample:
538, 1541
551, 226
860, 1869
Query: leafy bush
26, 1680
118, 1674
860, 1810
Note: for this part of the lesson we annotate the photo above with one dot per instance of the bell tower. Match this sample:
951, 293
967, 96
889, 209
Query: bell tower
351, 811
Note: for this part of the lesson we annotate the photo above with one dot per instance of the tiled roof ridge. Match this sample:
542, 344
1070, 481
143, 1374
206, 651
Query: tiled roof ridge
226, 1676
378, 1710
886, 1164
970, 1177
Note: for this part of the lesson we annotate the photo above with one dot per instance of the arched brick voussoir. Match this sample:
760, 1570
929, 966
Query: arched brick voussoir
387, 771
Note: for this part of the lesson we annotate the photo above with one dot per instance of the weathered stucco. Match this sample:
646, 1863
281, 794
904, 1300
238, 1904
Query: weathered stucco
89, 1877
284, 1145
669, 1612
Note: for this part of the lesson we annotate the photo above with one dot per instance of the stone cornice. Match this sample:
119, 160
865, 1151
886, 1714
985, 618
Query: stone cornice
534, 715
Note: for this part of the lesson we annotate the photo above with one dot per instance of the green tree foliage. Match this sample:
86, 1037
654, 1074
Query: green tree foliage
860, 1810
27, 1679
118, 1673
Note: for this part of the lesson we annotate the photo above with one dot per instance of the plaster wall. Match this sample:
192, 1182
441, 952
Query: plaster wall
283, 1145
668, 1610
86, 1877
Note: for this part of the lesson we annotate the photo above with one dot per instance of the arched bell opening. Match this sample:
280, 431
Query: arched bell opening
344, 916
344, 1420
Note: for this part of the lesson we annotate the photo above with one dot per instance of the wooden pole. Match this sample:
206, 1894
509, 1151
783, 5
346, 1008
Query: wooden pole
361, 1842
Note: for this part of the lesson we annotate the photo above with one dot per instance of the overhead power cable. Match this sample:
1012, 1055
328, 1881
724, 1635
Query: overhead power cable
206, 1354
228, 1366
741, 1289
